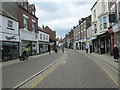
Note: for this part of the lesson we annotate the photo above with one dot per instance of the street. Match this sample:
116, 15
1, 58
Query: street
71, 69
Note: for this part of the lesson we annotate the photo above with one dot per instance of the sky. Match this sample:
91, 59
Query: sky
61, 15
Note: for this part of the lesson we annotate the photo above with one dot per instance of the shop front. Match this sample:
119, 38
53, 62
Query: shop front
104, 43
34, 48
9, 47
10, 50
29, 41
43, 47
26, 44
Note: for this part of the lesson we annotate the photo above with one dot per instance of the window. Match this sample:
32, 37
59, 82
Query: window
95, 28
44, 37
100, 23
33, 27
10, 24
25, 23
105, 22
94, 14
40, 36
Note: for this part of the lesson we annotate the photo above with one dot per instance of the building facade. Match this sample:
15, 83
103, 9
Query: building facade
43, 41
28, 26
10, 37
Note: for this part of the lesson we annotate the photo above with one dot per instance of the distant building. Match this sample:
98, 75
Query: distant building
52, 36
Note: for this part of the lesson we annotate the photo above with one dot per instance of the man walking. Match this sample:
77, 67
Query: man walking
116, 53
49, 49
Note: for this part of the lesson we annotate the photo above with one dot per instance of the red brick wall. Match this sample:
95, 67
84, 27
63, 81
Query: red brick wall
30, 17
51, 33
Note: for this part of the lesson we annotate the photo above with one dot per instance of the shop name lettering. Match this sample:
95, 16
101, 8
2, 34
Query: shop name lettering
11, 37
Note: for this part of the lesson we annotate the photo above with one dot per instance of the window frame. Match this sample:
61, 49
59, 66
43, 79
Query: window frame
25, 22
8, 24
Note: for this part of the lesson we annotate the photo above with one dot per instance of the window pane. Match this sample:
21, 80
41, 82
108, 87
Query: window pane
25, 23
10, 24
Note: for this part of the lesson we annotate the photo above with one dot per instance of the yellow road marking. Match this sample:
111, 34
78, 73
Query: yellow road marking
115, 81
49, 71
39, 80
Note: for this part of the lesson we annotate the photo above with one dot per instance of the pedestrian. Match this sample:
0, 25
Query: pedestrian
116, 53
82, 47
49, 49
63, 48
90, 48
26, 49
86, 48
56, 51
75, 48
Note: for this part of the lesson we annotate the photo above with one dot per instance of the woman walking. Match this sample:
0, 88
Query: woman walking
116, 53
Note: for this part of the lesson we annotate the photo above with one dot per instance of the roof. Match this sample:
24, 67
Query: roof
31, 5
6, 14
40, 29
94, 5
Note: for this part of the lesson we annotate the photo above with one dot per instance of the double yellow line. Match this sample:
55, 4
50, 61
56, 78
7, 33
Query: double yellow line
114, 80
49, 71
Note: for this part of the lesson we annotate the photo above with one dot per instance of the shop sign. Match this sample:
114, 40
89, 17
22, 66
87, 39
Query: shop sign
10, 37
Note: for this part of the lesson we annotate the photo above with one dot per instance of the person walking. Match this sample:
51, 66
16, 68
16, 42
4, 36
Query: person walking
49, 49
90, 48
116, 53
86, 48
63, 48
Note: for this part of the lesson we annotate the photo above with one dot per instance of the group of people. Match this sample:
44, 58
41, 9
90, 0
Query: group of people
87, 48
56, 49
115, 52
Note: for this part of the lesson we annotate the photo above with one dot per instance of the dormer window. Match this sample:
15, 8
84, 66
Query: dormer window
25, 6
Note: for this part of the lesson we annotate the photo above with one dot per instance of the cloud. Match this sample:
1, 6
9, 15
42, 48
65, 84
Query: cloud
61, 16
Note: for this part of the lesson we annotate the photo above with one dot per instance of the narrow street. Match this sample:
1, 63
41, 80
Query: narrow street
73, 69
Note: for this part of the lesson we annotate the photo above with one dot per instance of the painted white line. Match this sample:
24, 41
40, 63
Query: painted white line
27, 80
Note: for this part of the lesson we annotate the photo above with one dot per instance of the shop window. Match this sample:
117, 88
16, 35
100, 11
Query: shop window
10, 24
25, 23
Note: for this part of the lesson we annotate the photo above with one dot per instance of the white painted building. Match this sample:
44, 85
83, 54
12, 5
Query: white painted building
9, 36
43, 40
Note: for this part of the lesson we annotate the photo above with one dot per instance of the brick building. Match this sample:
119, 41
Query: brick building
52, 36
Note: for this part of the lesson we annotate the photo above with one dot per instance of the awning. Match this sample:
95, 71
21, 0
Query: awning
93, 37
83, 40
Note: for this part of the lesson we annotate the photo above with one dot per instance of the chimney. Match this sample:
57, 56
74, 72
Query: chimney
43, 27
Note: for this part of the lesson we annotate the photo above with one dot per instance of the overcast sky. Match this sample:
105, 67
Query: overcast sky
61, 15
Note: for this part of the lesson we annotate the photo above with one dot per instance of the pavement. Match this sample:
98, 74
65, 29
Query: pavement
104, 57
15, 61
15, 72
